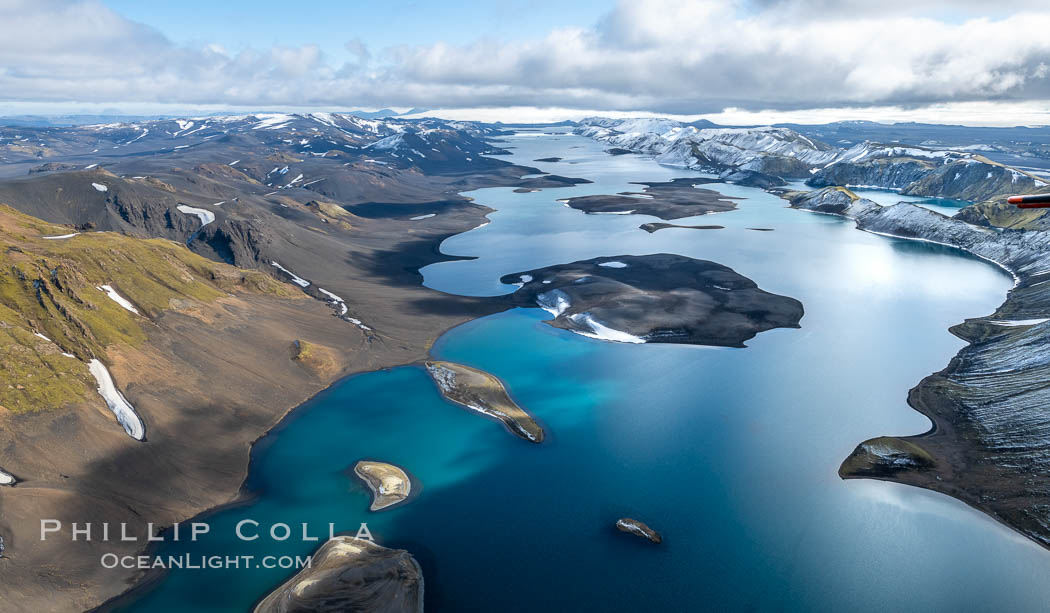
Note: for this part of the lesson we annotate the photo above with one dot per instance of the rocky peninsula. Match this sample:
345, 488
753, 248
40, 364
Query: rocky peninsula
349, 574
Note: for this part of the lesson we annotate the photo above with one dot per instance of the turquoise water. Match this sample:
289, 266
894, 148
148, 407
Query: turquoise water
730, 453
888, 197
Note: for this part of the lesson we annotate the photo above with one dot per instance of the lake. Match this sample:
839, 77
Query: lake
730, 453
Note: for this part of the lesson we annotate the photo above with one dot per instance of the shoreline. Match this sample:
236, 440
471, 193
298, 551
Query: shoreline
967, 465
375, 484
427, 251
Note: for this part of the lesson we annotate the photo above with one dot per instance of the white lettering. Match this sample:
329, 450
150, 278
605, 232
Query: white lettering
241, 535
44, 529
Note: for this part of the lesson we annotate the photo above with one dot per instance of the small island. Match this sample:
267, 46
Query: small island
653, 227
390, 485
637, 528
480, 391
667, 200
349, 574
659, 298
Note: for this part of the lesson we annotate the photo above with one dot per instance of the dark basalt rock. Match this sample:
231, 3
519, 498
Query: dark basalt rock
640, 529
892, 173
653, 227
752, 178
661, 298
667, 200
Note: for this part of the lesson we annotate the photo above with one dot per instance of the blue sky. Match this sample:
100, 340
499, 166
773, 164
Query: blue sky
731, 60
239, 24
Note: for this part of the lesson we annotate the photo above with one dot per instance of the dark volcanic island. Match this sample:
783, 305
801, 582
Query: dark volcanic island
672, 199
661, 298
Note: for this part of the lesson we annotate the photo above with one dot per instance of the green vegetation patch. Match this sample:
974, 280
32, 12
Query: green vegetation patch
51, 287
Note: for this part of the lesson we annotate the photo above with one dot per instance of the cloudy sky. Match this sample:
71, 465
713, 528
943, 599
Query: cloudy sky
964, 61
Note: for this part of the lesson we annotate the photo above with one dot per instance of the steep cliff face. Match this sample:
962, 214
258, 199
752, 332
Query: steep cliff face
98, 200
893, 173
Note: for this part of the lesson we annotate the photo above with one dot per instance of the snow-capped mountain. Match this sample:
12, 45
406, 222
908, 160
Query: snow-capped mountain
766, 155
776, 151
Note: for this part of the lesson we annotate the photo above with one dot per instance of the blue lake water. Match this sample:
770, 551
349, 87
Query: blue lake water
888, 197
730, 453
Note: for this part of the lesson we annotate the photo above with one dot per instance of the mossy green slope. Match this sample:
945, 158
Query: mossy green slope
50, 287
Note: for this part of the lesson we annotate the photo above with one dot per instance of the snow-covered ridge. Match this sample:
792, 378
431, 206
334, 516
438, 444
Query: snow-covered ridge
782, 152
118, 404
675, 143
862, 152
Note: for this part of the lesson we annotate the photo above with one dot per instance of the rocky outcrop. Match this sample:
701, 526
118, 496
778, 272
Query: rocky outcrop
833, 200
390, 484
240, 242
975, 180
348, 574
1001, 214
661, 298
892, 173
484, 393
51, 167
637, 528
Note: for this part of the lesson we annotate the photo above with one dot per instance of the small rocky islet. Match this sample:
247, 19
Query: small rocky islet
390, 484
484, 393
638, 528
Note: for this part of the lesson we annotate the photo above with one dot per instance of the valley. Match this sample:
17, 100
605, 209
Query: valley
287, 252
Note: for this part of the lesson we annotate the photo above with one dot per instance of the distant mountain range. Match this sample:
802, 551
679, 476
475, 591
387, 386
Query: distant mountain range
770, 155
41, 121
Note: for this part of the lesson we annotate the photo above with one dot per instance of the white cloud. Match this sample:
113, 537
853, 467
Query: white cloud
658, 55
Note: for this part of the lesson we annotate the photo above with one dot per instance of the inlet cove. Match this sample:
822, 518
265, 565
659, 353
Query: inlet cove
544, 460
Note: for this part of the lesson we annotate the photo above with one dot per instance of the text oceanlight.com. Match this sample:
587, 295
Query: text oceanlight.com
245, 530
199, 562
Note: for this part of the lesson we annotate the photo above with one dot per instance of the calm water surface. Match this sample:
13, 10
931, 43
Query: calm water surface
731, 453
